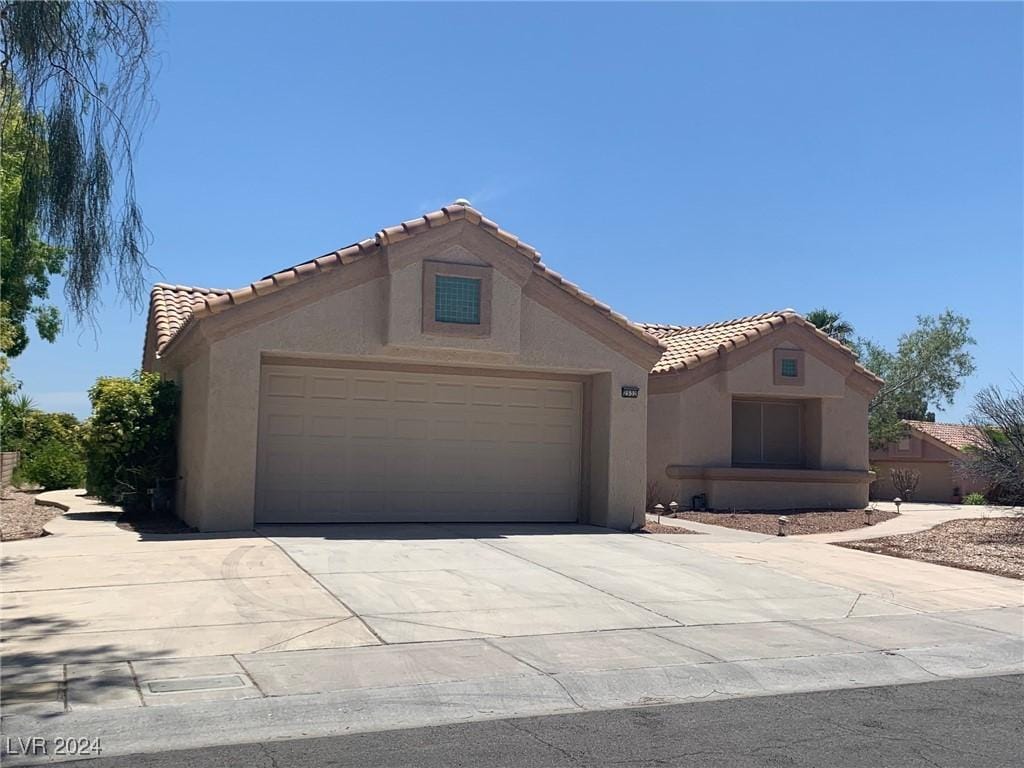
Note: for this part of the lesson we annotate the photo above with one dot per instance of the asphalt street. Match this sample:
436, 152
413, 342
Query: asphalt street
954, 724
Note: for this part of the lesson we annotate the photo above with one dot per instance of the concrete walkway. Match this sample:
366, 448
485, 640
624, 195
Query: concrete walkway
913, 518
159, 642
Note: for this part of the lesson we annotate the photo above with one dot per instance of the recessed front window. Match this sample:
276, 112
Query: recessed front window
456, 300
767, 433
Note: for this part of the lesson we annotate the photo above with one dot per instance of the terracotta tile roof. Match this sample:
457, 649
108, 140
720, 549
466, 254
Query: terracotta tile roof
690, 347
171, 306
957, 436
203, 302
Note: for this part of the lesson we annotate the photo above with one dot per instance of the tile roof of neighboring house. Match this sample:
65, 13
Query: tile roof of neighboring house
690, 347
175, 307
957, 436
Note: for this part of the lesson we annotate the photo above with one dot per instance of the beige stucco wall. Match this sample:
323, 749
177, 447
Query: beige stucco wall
193, 380
935, 483
693, 428
377, 320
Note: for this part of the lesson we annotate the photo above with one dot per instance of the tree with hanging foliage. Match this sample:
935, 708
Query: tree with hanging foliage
76, 92
25, 270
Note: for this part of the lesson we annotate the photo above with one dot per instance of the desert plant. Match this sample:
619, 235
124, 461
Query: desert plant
998, 456
974, 499
904, 481
653, 494
53, 465
130, 439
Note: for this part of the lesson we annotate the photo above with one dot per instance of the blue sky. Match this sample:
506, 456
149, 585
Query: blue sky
684, 163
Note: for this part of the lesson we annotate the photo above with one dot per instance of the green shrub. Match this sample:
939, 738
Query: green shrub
49, 443
130, 439
974, 499
53, 464
29, 428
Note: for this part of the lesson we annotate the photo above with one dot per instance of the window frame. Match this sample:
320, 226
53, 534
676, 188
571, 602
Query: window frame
796, 355
434, 269
802, 447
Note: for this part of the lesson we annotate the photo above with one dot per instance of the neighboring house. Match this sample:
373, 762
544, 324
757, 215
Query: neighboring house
440, 372
932, 450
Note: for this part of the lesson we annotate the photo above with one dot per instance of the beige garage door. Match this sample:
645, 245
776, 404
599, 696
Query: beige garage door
345, 445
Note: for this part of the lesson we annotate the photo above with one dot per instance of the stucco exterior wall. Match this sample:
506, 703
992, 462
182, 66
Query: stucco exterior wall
193, 381
691, 430
376, 320
935, 483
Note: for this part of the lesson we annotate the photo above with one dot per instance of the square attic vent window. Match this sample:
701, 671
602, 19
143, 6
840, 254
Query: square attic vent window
789, 368
457, 300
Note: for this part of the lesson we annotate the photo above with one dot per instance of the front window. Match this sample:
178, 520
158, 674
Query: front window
767, 433
457, 300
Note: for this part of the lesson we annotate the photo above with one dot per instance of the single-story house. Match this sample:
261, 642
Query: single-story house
932, 450
439, 371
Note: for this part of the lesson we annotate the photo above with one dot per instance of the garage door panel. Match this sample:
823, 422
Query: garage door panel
328, 426
489, 395
286, 424
370, 389
325, 387
561, 399
558, 434
450, 393
349, 445
411, 392
412, 429
286, 385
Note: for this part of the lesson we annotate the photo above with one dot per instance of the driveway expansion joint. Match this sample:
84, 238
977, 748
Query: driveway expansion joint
322, 586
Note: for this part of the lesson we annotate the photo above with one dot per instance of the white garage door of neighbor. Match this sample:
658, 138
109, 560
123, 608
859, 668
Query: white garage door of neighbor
348, 445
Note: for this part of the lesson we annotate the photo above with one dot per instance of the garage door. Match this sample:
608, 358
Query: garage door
344, 445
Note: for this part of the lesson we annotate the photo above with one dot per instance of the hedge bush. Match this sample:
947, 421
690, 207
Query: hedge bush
974, 499
130, 439
53, 465
49, 443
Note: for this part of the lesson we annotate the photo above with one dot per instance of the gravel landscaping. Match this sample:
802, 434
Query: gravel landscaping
993, 545
659, 528
20, 517
801, 521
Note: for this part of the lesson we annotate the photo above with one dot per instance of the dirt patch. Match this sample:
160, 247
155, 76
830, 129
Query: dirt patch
659, 528
801, 521
20, 516
993, 545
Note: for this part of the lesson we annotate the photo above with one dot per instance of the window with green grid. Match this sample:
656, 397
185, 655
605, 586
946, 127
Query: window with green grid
789, 368
457, 300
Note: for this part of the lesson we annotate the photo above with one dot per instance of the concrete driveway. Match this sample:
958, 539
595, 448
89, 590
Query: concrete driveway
94, 592
427, 583
392, 626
